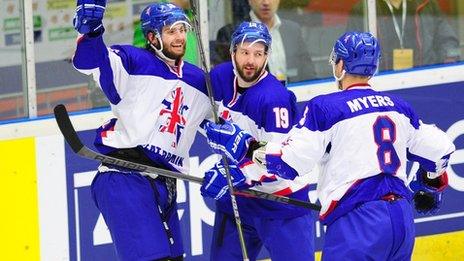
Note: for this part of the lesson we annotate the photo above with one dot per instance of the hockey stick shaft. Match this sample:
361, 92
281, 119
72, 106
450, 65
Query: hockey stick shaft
71, 137
238, 222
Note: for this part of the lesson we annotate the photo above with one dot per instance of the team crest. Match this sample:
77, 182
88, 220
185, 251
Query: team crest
175, 108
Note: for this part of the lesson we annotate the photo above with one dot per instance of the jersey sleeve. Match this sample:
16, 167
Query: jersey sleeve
278, 117
216, 82
304, 146
108, 66
431, 147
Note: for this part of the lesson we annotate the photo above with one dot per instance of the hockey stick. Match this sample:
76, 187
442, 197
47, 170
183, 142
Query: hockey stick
238, 222
71, 137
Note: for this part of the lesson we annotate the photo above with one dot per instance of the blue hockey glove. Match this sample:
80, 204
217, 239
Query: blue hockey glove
428, 192
215, 182
89, 15
228, 139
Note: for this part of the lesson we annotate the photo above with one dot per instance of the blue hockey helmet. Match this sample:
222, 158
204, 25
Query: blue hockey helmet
155, 16
251, 32
359, 51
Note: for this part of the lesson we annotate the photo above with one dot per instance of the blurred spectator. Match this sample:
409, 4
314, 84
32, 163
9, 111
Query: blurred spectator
289, 59
240, 11
191, 52
411, 32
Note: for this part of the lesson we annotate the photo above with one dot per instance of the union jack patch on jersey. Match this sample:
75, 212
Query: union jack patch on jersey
175, 108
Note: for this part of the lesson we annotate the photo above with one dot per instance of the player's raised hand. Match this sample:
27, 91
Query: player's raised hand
227, 138
89, 15
428, 192
215, 183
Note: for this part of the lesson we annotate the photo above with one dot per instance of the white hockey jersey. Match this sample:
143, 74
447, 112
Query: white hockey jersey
357, 134
156, 107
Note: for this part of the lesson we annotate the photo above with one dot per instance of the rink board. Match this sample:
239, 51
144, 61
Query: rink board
46, 189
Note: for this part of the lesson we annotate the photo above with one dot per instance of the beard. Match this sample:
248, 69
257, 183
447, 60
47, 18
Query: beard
168, 53
172, 55
250, 78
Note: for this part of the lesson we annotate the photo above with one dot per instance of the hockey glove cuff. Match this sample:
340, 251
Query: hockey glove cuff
428, 192
88, 17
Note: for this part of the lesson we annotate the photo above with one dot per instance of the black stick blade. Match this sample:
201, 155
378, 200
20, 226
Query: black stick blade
66, 128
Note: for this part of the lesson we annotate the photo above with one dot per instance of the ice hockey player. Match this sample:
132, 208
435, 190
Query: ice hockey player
248, 95
362, 138
159, 102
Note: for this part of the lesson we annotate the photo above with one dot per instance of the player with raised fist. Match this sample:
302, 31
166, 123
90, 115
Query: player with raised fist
159, 102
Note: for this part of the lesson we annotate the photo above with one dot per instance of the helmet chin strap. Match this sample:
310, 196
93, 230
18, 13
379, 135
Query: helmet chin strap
338, 79
159, 51
241, 82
